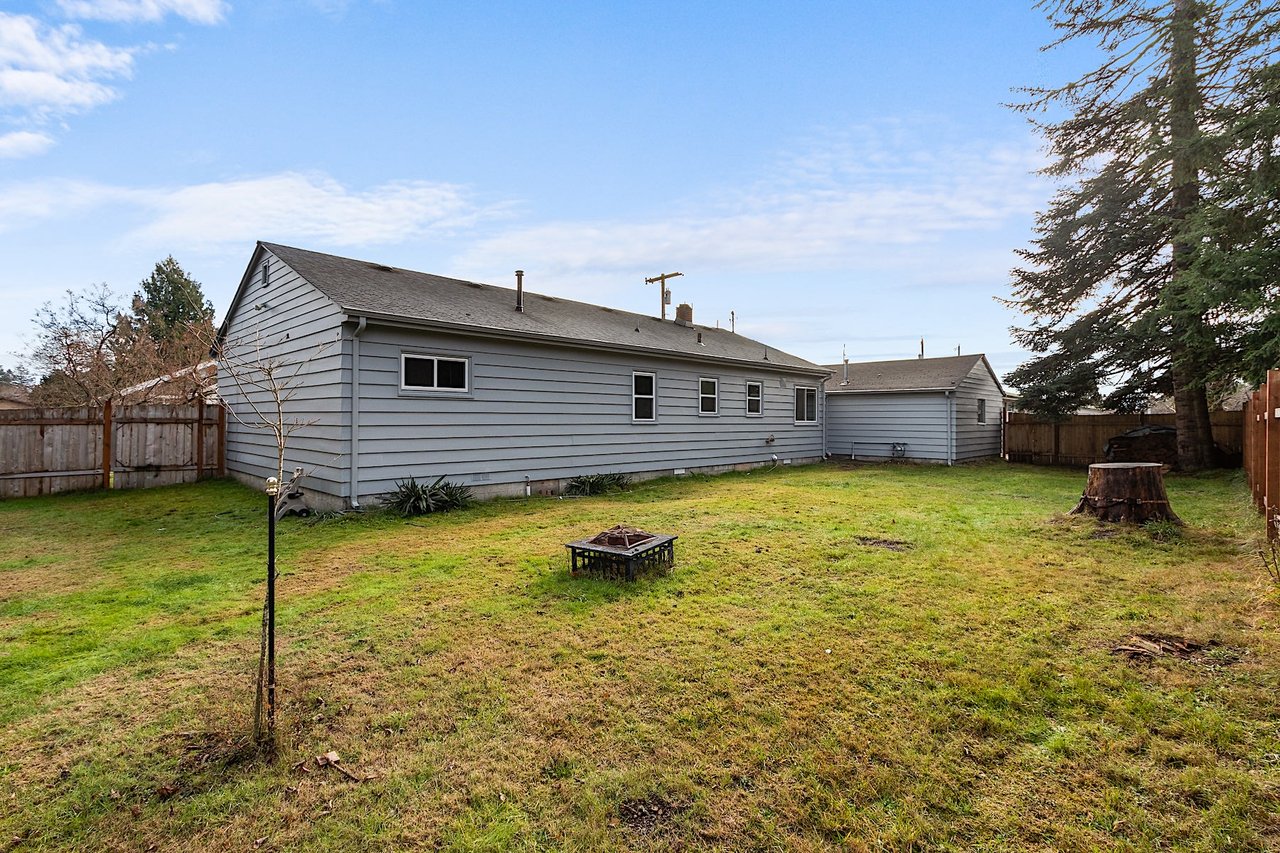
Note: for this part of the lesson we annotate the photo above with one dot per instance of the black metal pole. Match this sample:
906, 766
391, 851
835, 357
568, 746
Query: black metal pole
271, 614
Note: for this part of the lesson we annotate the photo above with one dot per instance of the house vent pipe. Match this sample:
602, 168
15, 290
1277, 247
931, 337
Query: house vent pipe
520, 291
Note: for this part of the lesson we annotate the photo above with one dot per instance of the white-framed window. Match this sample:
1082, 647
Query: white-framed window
644, 397
708, 396
755, 399
982, 411
419, 372
806, 405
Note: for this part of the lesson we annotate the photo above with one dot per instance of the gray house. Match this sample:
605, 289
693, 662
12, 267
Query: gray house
928, 409
394, 373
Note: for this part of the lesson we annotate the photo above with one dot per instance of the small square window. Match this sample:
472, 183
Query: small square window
419, 372
451, 373
755, 398
708, 396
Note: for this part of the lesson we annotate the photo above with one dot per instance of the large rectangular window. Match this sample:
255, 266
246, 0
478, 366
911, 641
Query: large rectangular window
708, 396
432, 373
755, 398
806, 405
644, 397
982, 411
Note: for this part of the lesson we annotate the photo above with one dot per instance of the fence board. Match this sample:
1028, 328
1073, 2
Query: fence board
1080, 440
43, 451
1262, 450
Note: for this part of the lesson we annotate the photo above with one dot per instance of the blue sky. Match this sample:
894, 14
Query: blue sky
836, 174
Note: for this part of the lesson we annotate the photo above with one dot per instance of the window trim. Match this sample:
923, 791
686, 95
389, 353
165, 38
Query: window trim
634, 396
806, 388
982, 411
759, 397
715, 397
435, 389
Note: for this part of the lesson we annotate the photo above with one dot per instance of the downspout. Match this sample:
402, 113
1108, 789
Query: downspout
355, 411
822, 399
951, 428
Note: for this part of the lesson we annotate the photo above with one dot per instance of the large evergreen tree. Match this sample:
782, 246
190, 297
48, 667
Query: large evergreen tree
170, 302
1115, 283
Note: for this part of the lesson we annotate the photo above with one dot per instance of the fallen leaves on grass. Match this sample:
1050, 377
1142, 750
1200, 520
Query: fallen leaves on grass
332, 759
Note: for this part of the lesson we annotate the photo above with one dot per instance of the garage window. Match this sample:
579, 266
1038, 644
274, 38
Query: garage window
432, 373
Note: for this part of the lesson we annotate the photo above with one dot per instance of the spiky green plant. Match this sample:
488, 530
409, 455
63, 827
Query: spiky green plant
413, 498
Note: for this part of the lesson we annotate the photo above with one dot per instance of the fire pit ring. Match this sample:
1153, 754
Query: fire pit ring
620, 552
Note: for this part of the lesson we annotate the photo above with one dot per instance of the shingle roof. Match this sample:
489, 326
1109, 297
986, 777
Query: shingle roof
909, 374
375, 290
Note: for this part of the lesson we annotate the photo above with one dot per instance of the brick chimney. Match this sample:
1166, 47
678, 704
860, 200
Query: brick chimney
684, 314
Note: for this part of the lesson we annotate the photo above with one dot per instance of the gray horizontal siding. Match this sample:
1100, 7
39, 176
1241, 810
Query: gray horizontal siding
974, 440
547, 412
867, 425
299, 331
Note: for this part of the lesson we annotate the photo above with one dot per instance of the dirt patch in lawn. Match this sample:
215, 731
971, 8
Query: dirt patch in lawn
649, 815
887, 544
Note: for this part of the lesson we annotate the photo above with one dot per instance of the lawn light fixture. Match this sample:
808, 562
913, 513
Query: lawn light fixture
272, 489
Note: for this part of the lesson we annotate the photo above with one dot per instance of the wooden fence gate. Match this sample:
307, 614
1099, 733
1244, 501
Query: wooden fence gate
1262, 450
43, 451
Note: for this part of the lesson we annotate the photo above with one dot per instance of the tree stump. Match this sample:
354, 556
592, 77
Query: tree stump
1126, 491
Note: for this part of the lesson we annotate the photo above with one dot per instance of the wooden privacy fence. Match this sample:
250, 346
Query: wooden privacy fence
1080, 439
43, 451
1262, 450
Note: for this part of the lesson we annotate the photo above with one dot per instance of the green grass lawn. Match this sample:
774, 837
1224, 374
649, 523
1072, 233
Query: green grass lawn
790, 685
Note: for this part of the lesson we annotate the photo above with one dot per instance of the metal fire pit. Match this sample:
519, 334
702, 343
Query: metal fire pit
620, 551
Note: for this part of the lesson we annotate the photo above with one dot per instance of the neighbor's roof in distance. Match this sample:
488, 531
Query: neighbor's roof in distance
908, 374
375, 290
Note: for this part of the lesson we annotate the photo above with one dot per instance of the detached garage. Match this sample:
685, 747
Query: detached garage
925, 409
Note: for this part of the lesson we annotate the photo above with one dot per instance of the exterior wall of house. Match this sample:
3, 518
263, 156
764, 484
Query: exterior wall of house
547, 413
866, 426
290, 327
975, 440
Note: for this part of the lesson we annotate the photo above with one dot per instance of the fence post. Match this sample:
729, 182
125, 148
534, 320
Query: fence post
222, 439
1057, 442
199, 439
1272, 493
106, 444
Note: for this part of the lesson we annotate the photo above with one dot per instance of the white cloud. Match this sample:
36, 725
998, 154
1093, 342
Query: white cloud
870, 199
288, 206
130, 11
23, 143
311, 206
46, 71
